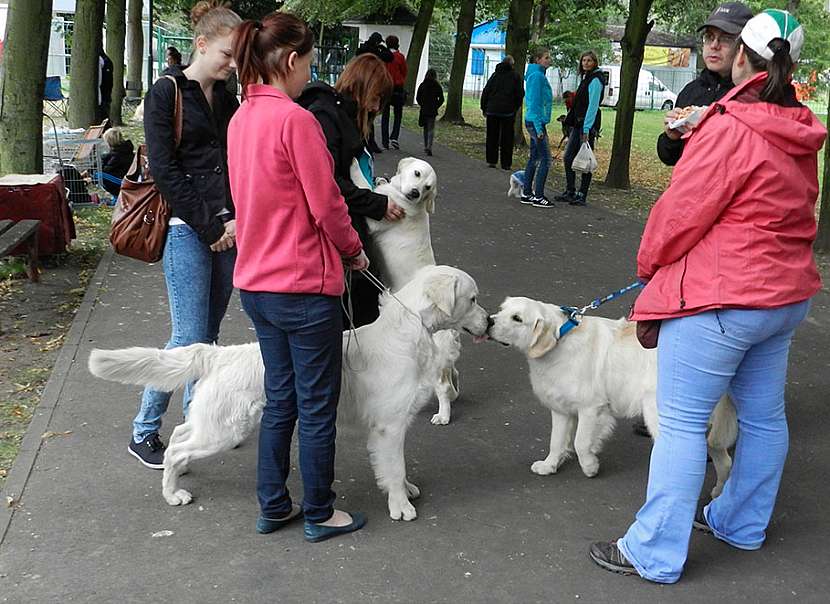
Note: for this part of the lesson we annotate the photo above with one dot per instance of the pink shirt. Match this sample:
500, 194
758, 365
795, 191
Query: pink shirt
292, 225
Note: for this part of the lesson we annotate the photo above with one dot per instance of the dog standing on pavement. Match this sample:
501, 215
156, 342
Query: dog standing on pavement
590, 376
389, 374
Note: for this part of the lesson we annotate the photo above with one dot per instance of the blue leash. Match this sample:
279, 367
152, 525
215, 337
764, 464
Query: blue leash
575, 314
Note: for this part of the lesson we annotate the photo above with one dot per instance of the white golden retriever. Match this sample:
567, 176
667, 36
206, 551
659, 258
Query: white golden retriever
404, 246
592, 375
388, 376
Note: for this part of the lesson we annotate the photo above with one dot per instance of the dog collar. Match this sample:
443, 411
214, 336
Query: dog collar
573, 320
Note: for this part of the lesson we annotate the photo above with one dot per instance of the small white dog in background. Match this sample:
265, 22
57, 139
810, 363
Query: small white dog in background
403, 247
590, 376
387, 380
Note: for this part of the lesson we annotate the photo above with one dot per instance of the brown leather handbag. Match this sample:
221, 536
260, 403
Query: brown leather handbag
141, 216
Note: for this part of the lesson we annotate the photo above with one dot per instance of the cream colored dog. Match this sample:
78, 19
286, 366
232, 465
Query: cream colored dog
388, 376
404, 247
589, 377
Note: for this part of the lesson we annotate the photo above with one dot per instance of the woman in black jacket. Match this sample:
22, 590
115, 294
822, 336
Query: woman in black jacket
430, 97
199, 251
344, 113
117, 161
500, 100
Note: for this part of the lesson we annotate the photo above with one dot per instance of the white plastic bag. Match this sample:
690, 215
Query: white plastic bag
585, 160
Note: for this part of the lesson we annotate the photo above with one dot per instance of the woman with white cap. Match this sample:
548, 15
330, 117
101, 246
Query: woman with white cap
730, 277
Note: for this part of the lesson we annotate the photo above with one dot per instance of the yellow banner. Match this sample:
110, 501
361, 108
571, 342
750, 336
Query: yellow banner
666, 57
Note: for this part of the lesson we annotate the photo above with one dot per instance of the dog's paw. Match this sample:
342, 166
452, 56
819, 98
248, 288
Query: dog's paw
180, 497
543, 467
401, 509
440, 419
412, 491
590, 466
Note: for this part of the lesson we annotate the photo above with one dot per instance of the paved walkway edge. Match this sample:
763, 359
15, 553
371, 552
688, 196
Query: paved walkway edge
30, 447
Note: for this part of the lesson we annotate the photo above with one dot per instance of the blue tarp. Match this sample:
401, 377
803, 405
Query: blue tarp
490, 32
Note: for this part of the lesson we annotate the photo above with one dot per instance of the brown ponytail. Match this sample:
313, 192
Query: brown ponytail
778, 87
261, 49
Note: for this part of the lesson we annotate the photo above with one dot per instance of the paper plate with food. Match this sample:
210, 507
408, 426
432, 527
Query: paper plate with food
687, 118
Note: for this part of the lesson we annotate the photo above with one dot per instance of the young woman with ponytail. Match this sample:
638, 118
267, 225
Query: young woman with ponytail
192, 175
293, 236
727, 257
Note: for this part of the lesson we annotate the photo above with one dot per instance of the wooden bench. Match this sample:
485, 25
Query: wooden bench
13, 234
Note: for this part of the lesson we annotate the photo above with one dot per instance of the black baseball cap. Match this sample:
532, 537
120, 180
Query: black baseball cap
729, 17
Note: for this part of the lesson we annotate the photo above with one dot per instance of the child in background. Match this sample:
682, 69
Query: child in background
430, 97
117, 161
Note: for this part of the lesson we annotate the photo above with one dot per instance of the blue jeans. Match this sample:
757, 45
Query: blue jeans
301, 341
538, 163
199, 287
740, 351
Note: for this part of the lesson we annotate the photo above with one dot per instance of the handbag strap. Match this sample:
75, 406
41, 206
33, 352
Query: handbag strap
177, 110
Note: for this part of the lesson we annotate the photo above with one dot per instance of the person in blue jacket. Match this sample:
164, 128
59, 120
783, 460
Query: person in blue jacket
584, 121
538, 103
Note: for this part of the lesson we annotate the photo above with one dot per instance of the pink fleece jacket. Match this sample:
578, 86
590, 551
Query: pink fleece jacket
292, 225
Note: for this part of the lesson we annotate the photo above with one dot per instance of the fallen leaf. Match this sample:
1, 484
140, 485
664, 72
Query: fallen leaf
10, 501
3, 472
50, 434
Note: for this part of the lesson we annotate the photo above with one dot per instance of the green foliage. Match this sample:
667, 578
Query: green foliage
178, 11
573, 27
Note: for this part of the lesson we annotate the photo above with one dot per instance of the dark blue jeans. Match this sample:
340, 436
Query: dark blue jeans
300, 337
538, 163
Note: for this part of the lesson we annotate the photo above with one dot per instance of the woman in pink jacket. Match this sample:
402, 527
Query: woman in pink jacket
727, 254
292, 232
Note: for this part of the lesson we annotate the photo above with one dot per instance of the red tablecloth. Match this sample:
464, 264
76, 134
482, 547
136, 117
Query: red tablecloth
40, 197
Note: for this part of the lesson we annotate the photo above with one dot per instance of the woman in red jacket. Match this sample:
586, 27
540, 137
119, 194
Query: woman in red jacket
292, 230
727, 254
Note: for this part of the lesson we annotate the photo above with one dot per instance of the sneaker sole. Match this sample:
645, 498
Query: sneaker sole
536, 205
611, 567
144, 463
527, 203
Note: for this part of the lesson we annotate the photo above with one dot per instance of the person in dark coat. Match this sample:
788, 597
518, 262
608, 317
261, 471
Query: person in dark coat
105, 84
344, 113
430, 97
500, 100
720, 32
375, 46
117, 161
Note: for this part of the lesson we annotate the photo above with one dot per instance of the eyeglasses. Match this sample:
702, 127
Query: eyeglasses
709, 39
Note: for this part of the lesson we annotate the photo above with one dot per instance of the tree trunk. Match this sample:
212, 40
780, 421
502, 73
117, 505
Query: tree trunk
116, 35
519, 15
22, 75
464, 33
540, 21
823, 238
416, 47
83, 72
135, 40
633, 43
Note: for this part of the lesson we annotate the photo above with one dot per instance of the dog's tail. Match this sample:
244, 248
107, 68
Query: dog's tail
164, 370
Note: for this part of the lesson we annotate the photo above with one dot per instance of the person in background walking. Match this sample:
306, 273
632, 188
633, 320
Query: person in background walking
199, 252
500, 100
374, 45
294, 235
430, 97
397, 70
727, 254
584, 121
538, 105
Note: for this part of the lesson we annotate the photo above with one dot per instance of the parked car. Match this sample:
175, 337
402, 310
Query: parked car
651, 92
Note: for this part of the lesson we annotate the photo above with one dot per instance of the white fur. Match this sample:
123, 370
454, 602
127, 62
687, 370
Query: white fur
596, 373
404, 246
387, 379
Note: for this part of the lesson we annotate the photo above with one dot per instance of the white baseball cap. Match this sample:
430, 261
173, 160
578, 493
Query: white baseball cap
769, 25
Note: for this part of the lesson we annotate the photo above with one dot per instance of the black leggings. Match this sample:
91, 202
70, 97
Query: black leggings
574, 143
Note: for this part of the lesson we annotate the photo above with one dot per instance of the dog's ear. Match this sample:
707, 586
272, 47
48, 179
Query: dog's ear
543, 339
441, 290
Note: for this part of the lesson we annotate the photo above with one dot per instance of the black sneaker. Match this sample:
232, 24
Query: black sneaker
540, 201
149, 451
700, 522
579, 199
394, 144
526, 199
607, 555
429, 152
564, 197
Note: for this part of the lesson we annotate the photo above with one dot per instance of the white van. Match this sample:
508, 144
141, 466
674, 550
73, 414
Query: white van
651, 92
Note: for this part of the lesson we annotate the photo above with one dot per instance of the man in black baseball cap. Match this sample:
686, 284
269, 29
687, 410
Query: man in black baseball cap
719, 33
